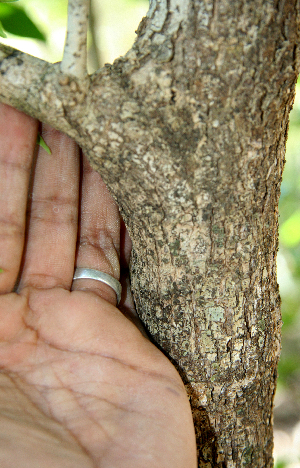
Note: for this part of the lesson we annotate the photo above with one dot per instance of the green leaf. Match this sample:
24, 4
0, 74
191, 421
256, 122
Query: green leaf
8, 1
41, 142
2, 33
1, 271
15, 21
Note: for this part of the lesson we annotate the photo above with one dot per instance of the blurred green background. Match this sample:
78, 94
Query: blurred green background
42, 25
288, 259
287, 402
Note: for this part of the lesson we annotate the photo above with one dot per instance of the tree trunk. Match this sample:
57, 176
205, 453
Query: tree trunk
188, 131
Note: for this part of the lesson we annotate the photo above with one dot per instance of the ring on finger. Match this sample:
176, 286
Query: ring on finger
89, 273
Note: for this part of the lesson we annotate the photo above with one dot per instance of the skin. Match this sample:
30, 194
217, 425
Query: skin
81, 385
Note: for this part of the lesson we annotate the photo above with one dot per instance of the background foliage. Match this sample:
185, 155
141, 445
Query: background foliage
287, 410
15, 20
42, 25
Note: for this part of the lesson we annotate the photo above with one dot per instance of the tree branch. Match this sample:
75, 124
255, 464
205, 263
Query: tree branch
75, 53
21, 78
39, 89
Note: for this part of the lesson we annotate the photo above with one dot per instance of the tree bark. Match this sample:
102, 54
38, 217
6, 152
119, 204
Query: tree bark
188, 131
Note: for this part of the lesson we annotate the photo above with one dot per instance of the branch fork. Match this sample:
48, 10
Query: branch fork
201, 216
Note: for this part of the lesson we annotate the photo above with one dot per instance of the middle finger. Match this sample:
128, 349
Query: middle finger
53, 215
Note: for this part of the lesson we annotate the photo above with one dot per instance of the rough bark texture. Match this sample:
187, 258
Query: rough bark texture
188, 130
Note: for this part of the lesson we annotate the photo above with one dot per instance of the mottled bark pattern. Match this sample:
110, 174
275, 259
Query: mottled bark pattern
188, 130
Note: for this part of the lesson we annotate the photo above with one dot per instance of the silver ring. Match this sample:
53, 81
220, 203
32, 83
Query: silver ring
88, 273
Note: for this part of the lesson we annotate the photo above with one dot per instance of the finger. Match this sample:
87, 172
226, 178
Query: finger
18, 133
99, 234
53, 215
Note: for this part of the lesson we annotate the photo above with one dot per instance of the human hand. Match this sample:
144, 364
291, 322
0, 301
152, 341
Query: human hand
80, 384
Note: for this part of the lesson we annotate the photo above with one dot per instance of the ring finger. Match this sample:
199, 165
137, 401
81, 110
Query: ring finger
99, 234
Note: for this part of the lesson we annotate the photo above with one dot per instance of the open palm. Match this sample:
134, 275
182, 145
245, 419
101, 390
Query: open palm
80, 383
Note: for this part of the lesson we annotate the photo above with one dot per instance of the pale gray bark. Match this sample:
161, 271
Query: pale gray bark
188, 130
74, 61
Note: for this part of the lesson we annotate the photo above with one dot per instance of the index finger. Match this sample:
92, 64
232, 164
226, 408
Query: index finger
18, 133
